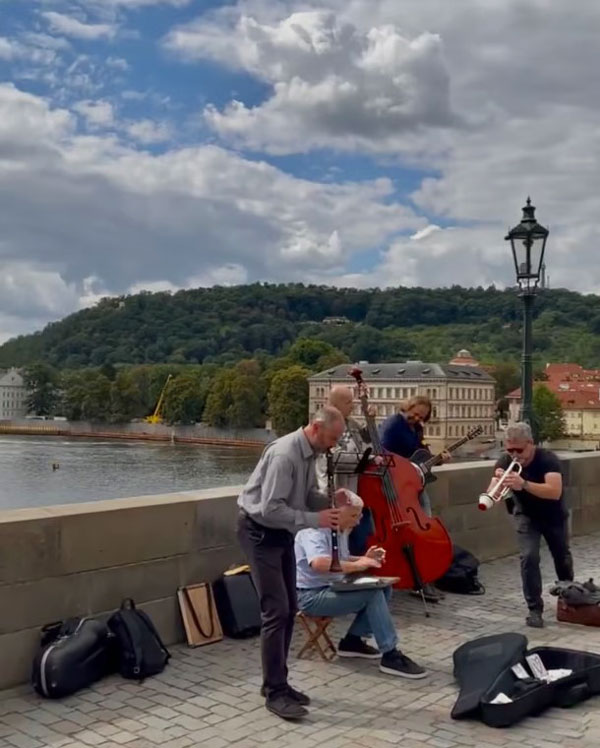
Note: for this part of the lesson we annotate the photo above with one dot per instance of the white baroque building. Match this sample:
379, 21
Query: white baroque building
13, 394
461, 392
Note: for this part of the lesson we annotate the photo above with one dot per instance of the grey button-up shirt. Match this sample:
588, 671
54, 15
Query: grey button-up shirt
282, 491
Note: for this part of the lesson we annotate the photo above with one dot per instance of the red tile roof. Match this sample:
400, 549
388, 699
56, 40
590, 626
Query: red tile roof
579, 396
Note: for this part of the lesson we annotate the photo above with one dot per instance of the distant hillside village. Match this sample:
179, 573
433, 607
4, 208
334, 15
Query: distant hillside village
578, 390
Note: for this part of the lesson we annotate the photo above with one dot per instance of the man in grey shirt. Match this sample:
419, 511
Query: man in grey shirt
280, 498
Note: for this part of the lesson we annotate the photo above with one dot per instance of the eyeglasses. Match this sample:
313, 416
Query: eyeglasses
516, 450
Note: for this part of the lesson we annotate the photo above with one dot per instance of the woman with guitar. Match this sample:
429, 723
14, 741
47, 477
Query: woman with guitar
402, 434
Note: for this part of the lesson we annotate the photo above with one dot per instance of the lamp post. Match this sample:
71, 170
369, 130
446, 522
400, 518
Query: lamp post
528, 242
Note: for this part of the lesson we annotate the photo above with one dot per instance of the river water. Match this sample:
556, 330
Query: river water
92, 469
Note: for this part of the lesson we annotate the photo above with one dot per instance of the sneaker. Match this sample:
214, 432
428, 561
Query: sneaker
354, 646
298, 696
285, 707
535, 620
396, 663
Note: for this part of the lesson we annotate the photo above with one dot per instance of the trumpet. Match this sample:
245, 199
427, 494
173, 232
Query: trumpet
500, 491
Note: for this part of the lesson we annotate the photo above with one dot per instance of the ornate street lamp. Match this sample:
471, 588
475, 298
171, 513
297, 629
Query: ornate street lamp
528, 243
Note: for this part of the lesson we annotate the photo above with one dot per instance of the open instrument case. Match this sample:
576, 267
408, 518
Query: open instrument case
483, 668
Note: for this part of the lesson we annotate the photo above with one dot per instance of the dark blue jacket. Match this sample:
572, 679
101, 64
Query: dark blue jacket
400, 437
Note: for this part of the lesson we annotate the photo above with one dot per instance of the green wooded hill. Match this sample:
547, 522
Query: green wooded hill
226, 324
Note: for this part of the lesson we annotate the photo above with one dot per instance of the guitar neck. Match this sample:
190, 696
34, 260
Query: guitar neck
438, 459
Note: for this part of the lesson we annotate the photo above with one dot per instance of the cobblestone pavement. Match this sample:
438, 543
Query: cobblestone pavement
209, 696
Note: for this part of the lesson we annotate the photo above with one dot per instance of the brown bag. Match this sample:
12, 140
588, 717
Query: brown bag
585, 615
199, 614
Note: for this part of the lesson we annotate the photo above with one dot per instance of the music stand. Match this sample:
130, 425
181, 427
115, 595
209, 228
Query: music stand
349, 463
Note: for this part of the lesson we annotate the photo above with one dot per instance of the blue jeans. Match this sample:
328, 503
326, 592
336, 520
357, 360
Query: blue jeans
371, 607
425, 502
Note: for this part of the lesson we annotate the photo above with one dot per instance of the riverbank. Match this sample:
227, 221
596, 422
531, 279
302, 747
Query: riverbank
140, 431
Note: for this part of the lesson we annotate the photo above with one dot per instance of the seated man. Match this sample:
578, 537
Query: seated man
316, 598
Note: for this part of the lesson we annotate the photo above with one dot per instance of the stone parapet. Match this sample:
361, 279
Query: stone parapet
83, 559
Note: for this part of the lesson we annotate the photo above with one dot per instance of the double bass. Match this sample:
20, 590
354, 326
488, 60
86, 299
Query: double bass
418, 547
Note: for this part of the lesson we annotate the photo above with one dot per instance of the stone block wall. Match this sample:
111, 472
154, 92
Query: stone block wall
83, 559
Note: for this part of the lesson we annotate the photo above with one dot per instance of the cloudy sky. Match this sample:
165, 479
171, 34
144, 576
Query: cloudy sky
166, 144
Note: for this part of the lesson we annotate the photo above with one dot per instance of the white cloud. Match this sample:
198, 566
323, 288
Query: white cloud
92, 207
45, 40
143, 3
381, 79
70, 26
33, 52
333, 85
231, 274
147, 132
97, 113
441, 257
118, 63
529, 100
8, 48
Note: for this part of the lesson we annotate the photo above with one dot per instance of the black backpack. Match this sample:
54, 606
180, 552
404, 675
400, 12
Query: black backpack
461, 577
141, 651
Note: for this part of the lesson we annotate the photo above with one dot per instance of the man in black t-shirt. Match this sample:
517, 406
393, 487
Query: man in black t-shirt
539, 510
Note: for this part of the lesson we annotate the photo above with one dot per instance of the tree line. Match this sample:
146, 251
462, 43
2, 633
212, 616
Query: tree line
243, 395
240, 396
225, 325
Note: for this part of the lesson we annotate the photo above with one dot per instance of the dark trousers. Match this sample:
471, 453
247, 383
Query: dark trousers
529, 533
270, 554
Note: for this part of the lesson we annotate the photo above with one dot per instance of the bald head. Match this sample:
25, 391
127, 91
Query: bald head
342, 398
325, 429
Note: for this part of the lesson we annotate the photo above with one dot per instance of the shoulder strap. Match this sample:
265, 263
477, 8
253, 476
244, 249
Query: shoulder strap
186, 594
131, 623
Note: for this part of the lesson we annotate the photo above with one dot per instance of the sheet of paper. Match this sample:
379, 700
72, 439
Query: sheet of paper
537, 667
501, 698
520, 671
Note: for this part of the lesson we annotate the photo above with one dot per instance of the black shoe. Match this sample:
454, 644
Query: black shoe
285, 707
298, 696
396, 663
430, 593
535, 620
354, 646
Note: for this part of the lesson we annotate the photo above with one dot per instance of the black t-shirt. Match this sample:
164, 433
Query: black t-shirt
544, 461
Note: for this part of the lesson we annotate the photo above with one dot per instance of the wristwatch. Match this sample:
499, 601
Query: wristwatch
524, 486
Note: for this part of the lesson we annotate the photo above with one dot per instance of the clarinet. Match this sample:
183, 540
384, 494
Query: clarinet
335, 554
